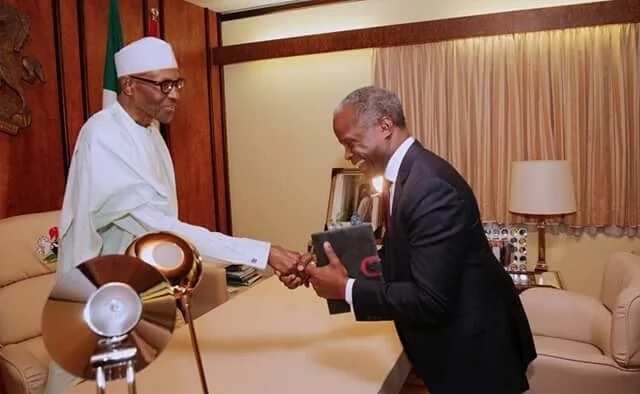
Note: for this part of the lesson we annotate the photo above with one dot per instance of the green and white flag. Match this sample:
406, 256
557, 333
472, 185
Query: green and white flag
114, 43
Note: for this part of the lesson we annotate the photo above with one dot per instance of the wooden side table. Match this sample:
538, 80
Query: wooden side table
530, 279
549, 279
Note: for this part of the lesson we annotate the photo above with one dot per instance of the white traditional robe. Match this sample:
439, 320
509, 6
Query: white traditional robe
121, 185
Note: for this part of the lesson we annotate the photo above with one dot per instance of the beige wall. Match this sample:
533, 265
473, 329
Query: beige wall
280, 141
282, 149
580, 260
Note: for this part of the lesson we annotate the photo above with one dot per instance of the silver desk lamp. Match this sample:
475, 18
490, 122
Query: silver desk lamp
108, 318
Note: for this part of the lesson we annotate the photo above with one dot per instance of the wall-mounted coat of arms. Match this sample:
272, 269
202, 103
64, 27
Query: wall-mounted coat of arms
15, 68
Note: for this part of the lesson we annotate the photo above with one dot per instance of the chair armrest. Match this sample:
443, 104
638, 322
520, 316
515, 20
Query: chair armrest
20, 371
564, 314
212, 289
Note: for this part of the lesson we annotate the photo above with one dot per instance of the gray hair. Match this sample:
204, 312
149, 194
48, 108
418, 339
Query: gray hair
371, 103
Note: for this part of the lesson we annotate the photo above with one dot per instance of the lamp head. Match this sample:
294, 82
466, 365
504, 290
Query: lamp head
542, 188
177, 259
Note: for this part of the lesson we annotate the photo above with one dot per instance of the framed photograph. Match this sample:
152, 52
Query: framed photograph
352, 200
509, 244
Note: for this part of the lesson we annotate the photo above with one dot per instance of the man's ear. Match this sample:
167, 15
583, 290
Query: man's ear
126, 86
386, 125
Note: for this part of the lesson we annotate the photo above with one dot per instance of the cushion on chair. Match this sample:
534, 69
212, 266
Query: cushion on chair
25, 284
571, 350
621, 294
20, 317
21, 371
35, 346
18, 237
588, 322
565, 366
625, 333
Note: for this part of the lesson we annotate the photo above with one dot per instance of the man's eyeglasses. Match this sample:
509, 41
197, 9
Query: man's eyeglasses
166, 86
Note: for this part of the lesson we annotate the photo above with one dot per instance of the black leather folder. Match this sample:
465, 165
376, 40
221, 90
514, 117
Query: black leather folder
355, 246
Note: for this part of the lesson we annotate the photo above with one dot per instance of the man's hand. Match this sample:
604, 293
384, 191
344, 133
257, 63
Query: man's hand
299, 277
329, 281
283, 261
287, 267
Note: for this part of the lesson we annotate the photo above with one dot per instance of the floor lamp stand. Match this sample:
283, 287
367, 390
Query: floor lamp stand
185, 307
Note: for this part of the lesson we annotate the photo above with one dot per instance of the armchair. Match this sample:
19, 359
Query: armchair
587, 345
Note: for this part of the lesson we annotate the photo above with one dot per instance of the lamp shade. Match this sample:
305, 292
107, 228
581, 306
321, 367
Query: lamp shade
542, 187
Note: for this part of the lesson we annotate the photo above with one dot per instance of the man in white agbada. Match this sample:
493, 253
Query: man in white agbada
121, 181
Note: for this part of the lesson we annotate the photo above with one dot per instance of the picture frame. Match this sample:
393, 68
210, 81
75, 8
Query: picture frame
352, 200
509, 244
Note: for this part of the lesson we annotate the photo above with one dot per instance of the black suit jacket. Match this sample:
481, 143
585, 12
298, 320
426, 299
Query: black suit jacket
456, 310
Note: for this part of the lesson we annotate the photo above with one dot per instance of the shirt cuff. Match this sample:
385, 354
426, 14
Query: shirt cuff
256, 252
348, 291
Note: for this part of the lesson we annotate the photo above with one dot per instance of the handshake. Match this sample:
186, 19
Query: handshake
295, 269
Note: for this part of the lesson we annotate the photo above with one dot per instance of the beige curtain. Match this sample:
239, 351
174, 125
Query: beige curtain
568, 94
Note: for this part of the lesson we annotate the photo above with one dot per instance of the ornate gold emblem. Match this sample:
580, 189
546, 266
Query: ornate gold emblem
14, 67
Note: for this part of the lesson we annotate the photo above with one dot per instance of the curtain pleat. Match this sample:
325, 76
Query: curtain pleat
571, 94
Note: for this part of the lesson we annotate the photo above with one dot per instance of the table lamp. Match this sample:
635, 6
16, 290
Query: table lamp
180, 262
108, 318
541, 188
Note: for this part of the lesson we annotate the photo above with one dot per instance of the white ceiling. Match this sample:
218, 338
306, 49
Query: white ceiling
223, 6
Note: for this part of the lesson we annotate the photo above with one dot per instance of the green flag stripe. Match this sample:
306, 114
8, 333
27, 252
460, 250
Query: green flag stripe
114, 43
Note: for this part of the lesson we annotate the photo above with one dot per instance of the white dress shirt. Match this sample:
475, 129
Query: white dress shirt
390, 174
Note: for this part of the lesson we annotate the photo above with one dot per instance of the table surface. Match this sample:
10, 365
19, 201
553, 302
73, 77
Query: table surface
524, 281
549, 278
273, 340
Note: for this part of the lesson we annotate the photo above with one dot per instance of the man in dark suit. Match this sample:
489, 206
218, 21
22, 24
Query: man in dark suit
455, 309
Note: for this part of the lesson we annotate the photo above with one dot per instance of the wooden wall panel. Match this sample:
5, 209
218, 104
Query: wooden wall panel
218, 129
5, 167
35, 179
72, 70
69, 38
190, 130
148, 5
550, 18
96, 16
286, 6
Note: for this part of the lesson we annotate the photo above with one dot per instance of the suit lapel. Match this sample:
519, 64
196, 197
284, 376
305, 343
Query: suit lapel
403, 174
392, 242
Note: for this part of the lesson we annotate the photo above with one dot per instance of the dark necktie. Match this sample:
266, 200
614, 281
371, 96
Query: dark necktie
386, 204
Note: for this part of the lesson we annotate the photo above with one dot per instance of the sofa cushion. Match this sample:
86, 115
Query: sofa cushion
18, 237
568, 349
621, 294
588, 322
625, 330
564, 367
35, 346
21, 308
21, 371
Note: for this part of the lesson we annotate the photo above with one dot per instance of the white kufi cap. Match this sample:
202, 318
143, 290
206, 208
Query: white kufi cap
146, 54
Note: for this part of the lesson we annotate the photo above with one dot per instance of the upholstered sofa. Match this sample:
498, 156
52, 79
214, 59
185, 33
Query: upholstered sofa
587, 345
25, 284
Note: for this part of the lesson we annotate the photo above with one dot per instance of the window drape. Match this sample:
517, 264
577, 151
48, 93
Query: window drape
571, 94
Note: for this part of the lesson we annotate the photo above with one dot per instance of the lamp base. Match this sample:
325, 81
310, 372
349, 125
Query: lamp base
541, 266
